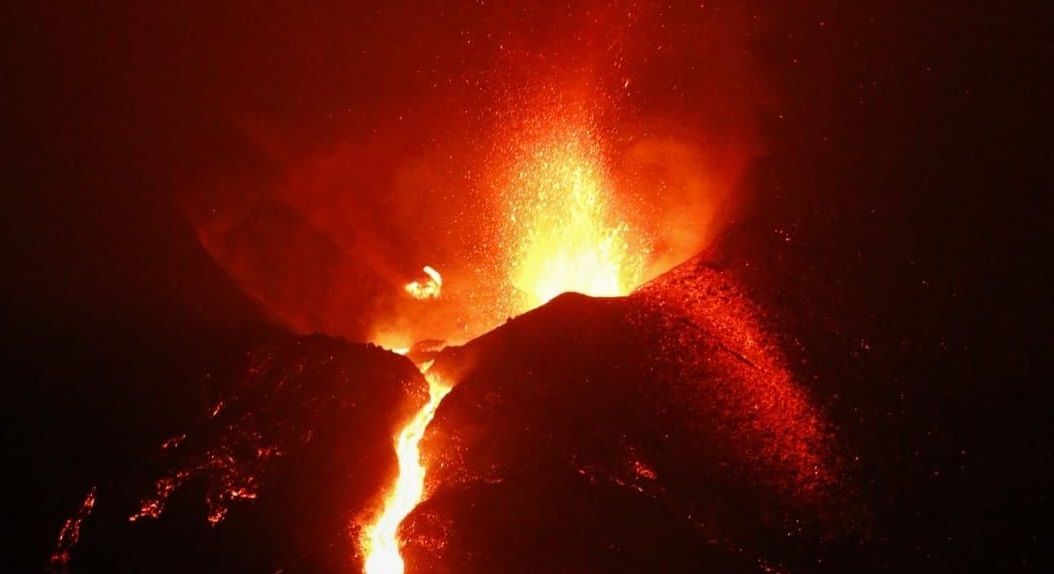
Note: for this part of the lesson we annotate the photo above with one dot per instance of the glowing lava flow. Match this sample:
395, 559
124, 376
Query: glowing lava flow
381, 542
563, 231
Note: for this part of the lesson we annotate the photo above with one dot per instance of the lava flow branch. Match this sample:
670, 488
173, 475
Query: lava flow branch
381, 543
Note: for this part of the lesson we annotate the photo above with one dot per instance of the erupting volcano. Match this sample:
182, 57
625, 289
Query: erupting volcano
668, 403
591, 287
564, 237
572, 378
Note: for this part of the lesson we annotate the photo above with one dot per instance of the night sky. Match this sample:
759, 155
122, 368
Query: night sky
887, 171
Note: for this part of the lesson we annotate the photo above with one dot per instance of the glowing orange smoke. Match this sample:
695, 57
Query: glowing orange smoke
381, 542
564, 234
427, 289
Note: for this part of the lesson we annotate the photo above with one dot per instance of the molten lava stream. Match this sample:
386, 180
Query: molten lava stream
381, 541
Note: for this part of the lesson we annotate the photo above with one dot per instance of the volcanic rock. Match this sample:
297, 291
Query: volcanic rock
282, 467
656, 432
662, 431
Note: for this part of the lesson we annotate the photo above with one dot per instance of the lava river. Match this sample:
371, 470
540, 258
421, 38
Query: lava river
381, 544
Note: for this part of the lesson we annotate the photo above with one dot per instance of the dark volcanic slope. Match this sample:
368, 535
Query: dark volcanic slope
281, 467
656, 432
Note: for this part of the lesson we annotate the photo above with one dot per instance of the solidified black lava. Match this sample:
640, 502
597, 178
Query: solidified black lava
274, 476
655, 432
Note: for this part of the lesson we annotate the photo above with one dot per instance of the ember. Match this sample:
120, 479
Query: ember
427, 289
71, 532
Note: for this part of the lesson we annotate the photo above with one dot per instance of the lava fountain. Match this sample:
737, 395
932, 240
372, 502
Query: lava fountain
562, 228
